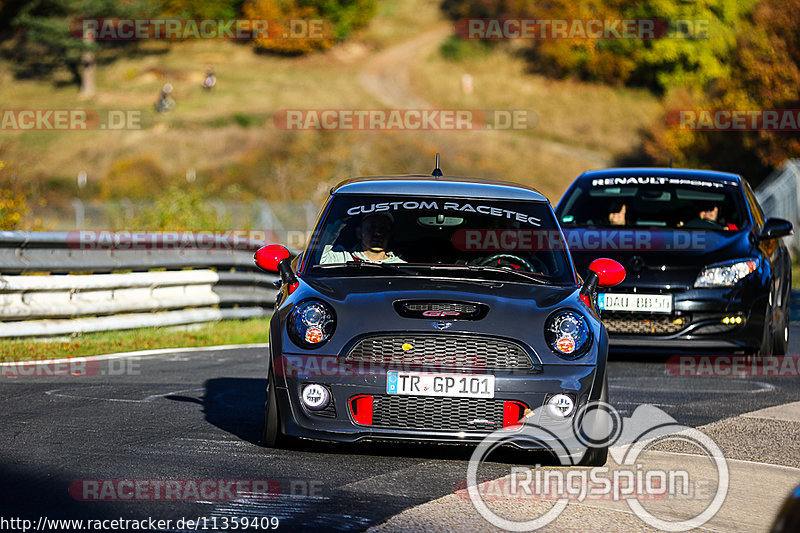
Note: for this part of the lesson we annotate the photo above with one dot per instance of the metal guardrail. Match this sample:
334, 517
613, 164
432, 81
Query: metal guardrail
779, 196
56, 284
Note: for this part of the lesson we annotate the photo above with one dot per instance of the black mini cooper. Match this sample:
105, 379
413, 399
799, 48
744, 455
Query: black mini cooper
706, 268
432, 308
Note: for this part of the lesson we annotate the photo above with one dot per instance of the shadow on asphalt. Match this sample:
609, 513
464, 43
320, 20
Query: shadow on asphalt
236, 406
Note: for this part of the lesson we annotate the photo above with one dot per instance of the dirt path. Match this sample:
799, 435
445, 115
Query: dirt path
387, 76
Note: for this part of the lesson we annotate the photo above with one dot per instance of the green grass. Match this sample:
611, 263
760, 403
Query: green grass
796, 274
255, 330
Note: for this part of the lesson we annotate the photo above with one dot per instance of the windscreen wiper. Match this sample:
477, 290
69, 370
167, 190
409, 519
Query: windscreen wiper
530, 276
395, 267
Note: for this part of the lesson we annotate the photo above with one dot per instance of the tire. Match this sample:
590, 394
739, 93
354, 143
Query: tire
780, 338
766, 337
764, 349
597, 456
272, 436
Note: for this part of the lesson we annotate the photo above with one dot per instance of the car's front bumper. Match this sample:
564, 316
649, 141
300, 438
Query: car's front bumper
697, 321
532, 388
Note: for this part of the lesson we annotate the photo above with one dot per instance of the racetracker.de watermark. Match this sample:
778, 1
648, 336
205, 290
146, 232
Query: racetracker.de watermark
734, 119
173, 489
734, 366
173, 29
496, 240
70, 368
327, 366
70, 119
405, 119
494, 29
204, 489
178, 240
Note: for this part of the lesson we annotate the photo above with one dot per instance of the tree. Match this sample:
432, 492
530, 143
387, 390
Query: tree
47, 43
764, 75
341, 18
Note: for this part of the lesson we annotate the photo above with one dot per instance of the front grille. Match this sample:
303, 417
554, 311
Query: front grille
434, 413
440, 306
444, 351
453, 310
644, 324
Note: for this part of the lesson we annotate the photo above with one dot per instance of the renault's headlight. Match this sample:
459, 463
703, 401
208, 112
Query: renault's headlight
567, 334
311, 324
726, 274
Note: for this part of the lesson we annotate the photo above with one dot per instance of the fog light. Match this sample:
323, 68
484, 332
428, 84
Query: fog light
561, 405
315, 397
733, 320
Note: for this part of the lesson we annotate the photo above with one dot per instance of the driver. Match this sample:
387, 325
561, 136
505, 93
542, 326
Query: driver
706, 217
373, 236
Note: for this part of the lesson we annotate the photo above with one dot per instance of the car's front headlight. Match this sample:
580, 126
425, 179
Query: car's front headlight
567, 334
726, 274
311, 323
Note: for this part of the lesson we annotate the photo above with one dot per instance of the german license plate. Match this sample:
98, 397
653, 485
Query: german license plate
427, 384
643, 303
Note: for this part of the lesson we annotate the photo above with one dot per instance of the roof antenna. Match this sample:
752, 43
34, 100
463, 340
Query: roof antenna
436, 171
670, 162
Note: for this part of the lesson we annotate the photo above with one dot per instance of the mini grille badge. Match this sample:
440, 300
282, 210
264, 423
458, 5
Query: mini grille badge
441, 324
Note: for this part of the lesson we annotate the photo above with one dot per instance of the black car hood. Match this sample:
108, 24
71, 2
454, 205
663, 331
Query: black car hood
366, 304
660, 257
413, 287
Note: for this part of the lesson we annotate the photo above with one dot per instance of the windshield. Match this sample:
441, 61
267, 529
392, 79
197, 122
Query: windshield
652, 202
480, 238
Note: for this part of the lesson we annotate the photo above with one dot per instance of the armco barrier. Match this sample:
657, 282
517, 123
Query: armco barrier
51, 285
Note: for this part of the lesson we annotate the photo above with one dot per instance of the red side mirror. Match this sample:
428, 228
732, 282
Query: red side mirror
268, 257
609, 272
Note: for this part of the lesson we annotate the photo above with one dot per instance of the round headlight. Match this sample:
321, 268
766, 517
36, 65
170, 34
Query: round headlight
311, 324
567, 334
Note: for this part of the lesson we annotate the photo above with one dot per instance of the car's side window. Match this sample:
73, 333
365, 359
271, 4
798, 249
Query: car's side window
758, 215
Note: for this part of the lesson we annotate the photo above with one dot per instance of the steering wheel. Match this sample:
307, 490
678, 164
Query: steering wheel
512, 261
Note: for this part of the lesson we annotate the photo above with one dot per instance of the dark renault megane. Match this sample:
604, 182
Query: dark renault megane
706, 269
399, 321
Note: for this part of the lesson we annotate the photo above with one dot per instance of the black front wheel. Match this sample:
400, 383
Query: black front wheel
272, 437
597, 456
765, 349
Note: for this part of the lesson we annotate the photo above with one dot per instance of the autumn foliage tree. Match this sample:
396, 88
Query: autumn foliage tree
715, 54
339, 19
764, 75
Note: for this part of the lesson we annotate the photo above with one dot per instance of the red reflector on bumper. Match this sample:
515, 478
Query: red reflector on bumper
512, 414
361, 409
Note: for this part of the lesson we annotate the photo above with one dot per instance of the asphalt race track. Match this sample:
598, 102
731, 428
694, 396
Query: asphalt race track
198, 416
